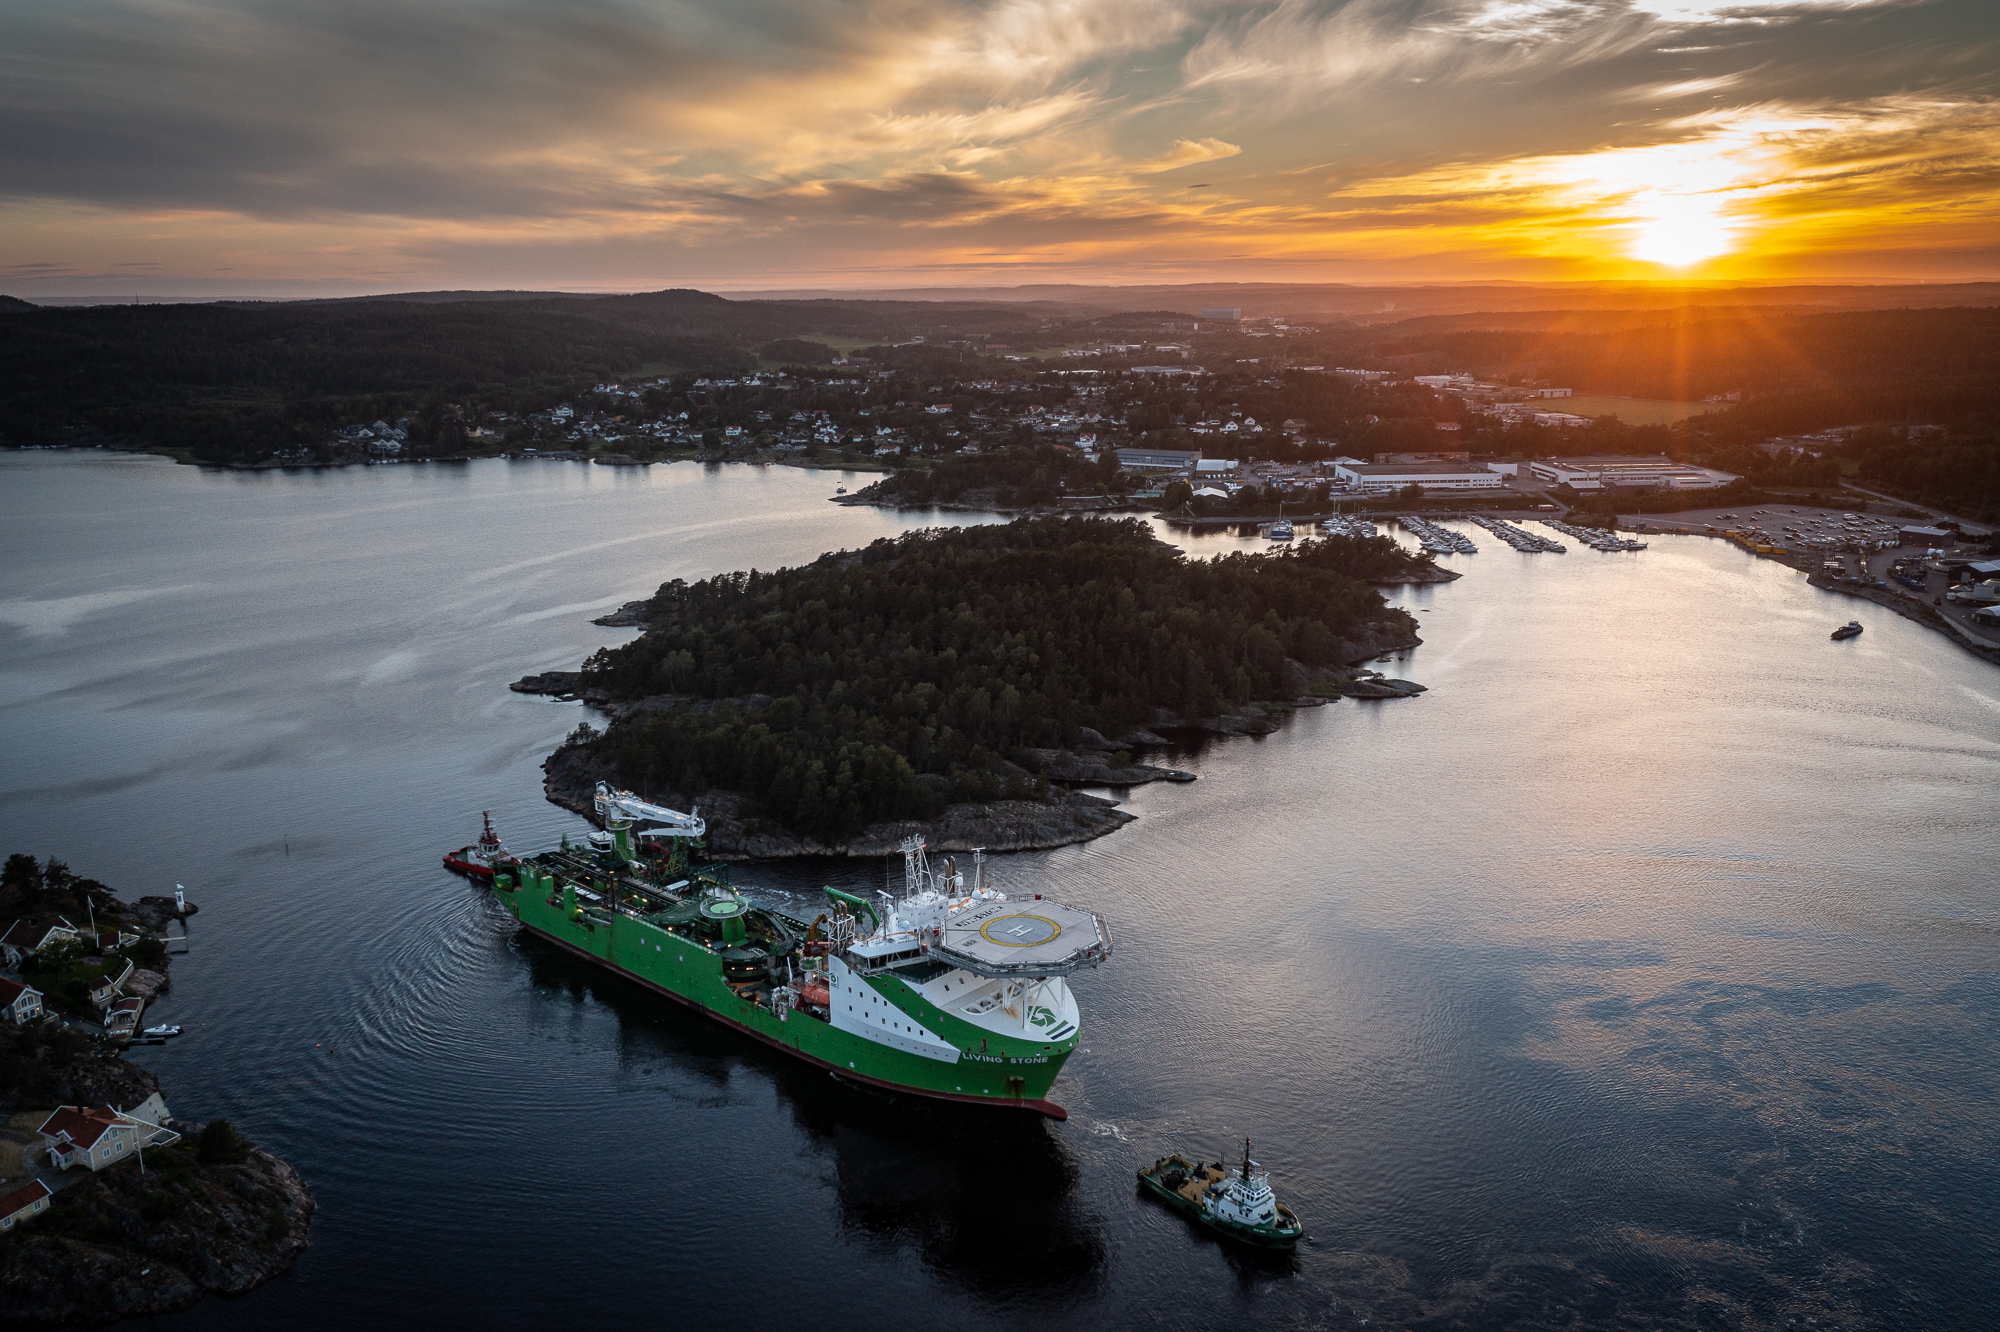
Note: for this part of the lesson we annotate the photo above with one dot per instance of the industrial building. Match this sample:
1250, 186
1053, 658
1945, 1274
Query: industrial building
1157, 460
1605, 472
1431, 476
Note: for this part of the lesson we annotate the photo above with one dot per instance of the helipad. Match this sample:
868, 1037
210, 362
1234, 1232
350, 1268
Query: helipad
1035, 938
1020, 931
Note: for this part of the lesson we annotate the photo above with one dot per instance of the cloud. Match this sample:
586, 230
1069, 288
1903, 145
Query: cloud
375, 140
1187, 153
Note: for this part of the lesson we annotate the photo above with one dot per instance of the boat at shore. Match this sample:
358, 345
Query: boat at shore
950, 990
1238, 1205
1852, 629
484, 857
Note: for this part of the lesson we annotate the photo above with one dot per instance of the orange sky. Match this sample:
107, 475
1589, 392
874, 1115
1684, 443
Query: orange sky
197, 147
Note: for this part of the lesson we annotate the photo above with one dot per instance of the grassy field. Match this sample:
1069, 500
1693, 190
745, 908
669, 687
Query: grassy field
1632, 411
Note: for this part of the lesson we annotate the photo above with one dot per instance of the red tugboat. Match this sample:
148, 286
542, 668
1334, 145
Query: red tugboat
479, 860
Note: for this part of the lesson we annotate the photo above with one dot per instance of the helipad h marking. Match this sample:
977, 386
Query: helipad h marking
1025, 930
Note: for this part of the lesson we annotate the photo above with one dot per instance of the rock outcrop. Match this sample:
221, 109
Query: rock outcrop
1380, 688
631, 615
156, 913
122, 1244
738, 831
1061, 765
559, 684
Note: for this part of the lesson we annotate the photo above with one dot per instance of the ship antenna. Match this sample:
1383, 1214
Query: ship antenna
1246, 1160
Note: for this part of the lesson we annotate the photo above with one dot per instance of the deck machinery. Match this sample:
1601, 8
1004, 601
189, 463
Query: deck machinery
950, 989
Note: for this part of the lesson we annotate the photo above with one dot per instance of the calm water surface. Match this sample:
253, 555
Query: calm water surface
1643, 973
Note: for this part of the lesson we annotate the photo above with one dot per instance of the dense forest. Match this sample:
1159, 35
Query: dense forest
884, 683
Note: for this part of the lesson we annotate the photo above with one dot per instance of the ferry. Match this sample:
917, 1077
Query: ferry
950, 989
483, 857
1852, 629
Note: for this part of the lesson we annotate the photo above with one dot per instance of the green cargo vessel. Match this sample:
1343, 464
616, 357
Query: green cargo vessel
950, 990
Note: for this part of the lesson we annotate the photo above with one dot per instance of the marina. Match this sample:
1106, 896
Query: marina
1594, 537
1437, 539
1346, 525
1518, 537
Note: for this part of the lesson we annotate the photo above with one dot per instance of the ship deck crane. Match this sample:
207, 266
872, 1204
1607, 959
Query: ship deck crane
621, 809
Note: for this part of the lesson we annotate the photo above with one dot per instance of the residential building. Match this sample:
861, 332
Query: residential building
20, 1002
24, 937
31, 1199
104, 987
122, 1017
90, 1136
101, 1135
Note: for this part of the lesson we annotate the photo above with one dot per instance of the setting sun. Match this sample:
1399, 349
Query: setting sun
1682, 231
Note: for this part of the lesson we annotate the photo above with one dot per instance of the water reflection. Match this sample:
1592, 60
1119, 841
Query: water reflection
987, 1198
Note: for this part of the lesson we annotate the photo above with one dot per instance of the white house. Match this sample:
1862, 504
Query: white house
29, 1200
122, 1017
25, 937
101, 1135
21, 1003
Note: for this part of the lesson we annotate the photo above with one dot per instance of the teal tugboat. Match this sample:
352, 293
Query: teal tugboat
1240, 1206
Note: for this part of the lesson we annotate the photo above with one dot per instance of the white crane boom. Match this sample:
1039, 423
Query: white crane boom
615, 806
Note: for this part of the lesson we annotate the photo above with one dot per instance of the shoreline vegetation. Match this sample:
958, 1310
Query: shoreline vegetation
1902, 399
962, 683
208, 1213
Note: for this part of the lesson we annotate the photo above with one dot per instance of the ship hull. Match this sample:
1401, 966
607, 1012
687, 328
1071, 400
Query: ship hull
987, 1069
470, 868
851, 1074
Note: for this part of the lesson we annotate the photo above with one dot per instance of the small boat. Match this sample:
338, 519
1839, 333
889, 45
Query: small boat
1852, 629
1239, 1205
479, 860
161, 1031
840, 490
1282, 529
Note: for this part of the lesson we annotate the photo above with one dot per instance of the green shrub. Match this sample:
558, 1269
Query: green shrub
219, 1144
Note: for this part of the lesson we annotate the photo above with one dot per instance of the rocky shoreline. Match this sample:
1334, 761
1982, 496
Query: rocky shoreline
737, 831
125, 1245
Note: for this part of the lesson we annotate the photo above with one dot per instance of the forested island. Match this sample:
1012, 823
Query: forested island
958, 681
